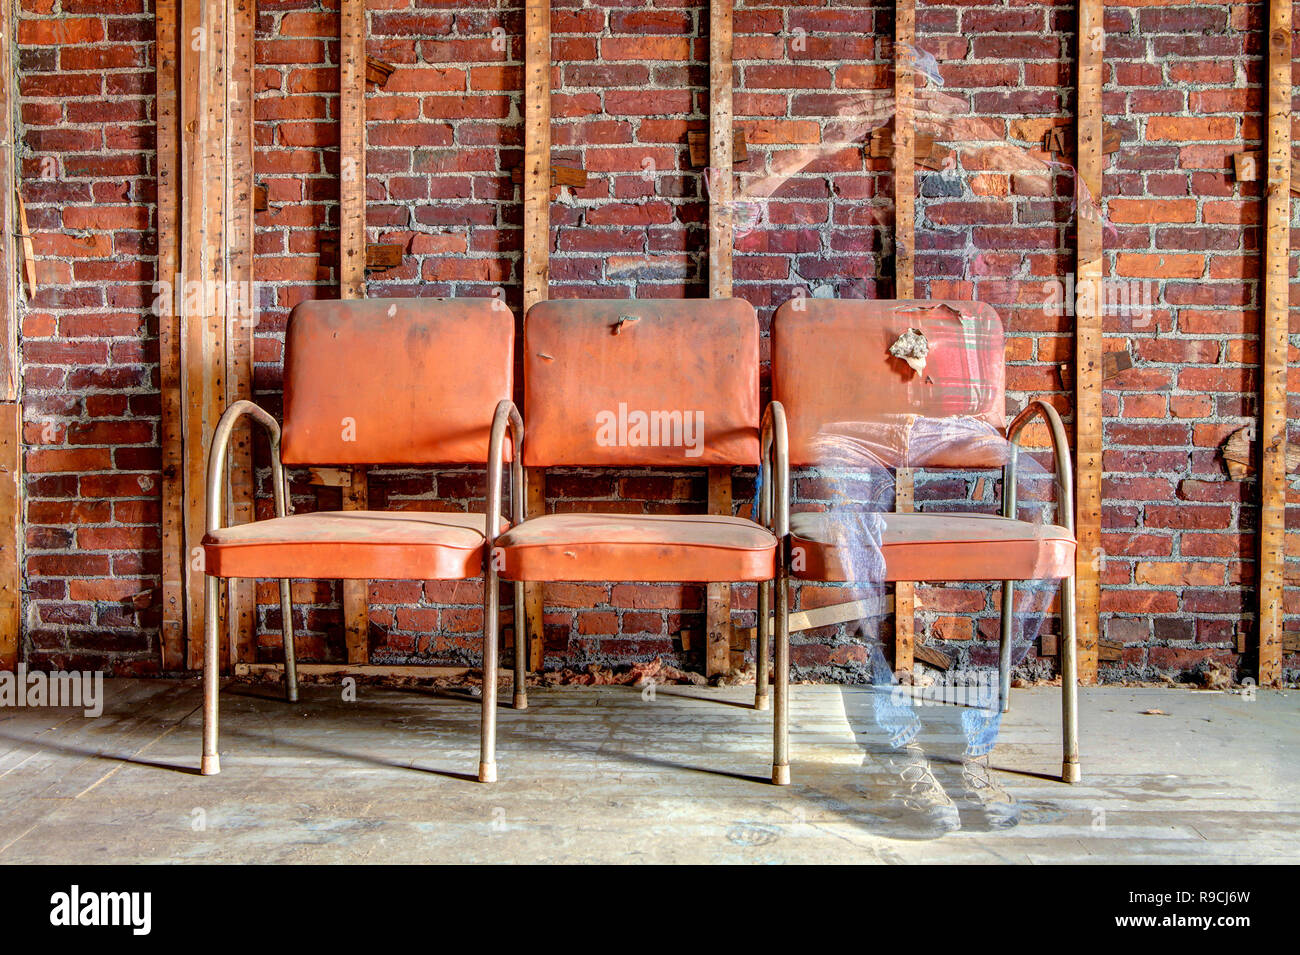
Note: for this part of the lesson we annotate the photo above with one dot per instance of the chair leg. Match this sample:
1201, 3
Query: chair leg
781, 684
487, 761
290, 655
1070, 772
1004, 649
521, 650
762, 640
211, 763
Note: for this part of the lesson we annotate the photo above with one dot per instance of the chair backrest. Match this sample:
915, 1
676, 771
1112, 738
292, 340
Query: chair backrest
395, 381
833, 371
641, 383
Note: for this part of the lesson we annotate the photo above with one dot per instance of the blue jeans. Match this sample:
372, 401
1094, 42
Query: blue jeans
896, 713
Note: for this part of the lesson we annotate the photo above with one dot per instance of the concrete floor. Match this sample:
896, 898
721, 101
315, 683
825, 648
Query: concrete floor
605, 775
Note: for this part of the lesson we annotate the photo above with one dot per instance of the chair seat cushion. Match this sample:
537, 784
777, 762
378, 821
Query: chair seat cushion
654, 547
351, 545
926, 546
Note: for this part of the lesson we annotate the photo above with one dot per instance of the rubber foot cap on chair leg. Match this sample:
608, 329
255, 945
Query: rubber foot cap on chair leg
487, 772
521, 701
1070, 773
211, 765
780, 775
760, 702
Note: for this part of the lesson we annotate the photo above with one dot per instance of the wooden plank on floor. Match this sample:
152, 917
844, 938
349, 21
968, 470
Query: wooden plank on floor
1089, 271
537, 248
904, 161
203, 223
717, 640
831, 614
242, 311
352, 264
169, 345
1273, 345
384, 670
105, 747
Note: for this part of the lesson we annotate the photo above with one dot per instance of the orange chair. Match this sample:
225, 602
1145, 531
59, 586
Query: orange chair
651, 383
833, 374
374, 382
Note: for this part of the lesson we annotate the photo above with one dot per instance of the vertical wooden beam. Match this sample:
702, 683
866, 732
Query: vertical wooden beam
9, 370
242, 593
11, 537
904, 149
721, 136
352, 264
904, 277
11, 506
1089, 272
717, 644
174, 559
537, 244
1273, 345
203, 225
717, 648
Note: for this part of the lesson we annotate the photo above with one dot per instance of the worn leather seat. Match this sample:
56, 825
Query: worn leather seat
652, 547
935, 546
357, 545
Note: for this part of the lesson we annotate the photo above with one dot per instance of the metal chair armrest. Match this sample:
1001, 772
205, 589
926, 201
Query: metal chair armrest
506, 415
774, 460
217, 458
1060, 448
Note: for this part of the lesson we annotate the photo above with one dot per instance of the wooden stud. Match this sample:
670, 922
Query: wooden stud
167, 126
1273, 345
904, 149
9, 224
534, 596
11, 523
719, 184
904, 592
11, 498
242, 313
203, 106
717, 638
721, 149
352, 264
1089, 272
537, 246
356, 593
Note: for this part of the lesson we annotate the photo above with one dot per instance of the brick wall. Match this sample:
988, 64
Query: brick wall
1182, 87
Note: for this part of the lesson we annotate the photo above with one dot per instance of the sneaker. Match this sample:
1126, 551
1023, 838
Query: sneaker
919, 790
1000, 808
